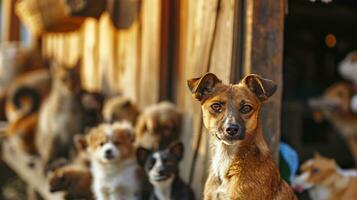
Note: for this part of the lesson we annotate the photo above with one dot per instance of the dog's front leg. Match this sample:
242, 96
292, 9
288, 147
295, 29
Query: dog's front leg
211, 186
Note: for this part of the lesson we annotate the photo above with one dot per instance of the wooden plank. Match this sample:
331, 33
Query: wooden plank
264, 55
127, 61
106, 48
198, 32
220, 57
150, 52
10, 22
90, 70
34, 177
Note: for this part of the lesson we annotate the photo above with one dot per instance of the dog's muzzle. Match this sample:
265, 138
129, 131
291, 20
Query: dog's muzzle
234, 132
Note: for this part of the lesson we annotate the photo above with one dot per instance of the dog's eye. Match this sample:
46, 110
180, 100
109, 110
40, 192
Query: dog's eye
116, 143
315, 170
216, 107
101, 144
246, 109
151, 163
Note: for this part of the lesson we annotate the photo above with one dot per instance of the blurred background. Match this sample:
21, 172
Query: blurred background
145, 50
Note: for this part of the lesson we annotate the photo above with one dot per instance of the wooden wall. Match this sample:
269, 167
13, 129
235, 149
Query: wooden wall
172, 42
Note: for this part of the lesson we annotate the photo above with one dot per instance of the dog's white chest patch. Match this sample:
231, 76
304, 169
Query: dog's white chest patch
220, 162
319, 193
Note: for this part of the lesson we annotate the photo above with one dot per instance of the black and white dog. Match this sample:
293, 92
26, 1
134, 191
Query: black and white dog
161, 168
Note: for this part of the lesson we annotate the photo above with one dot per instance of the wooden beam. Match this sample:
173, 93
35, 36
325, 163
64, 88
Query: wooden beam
34, 177
264, 26
10, 22
149, 88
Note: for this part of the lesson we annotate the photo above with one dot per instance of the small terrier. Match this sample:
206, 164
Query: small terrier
326, 181
242, 165
116, 174
158, 126
118, 109
162, 168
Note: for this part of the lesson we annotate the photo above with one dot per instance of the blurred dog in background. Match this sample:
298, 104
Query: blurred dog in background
158, 126
24, 97
335, 106
120, 108
324, 180
60, 115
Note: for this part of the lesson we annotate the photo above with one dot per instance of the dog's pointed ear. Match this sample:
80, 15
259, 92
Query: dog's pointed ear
202, 86
261, 87
80, 142
317, 155
177, 149
142, 155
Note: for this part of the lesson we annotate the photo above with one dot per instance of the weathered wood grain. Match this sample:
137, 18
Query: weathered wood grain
150, 52
265, 56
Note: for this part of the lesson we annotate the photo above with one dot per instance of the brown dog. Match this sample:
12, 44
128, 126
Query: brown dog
334, 105
158, 126
242, 165
120, 108
60, 116
325, 180
24, 97
74, 178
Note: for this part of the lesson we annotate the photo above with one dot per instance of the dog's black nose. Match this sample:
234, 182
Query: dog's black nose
162, 171
232, 129
108, 153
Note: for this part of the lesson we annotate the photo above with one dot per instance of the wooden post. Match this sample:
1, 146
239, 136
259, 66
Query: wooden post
263, 55
10, 22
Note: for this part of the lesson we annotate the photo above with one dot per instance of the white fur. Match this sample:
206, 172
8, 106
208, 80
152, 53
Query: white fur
354, 103
348, 67
114, 179
220, 161
319, 193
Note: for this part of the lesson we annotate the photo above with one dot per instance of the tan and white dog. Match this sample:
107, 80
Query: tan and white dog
326, 181
242, 165
116, 174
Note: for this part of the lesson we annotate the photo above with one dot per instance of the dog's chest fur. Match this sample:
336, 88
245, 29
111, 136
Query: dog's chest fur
221, 161
116, 180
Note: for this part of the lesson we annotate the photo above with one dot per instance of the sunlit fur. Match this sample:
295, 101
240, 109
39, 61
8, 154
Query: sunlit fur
242, 167
115, 176
325, 180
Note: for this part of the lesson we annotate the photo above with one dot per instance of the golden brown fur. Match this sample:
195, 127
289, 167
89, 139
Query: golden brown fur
120, 108
24, 96
158, 126
326, 181
334, 105
242, 165
73, 178
39, 80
